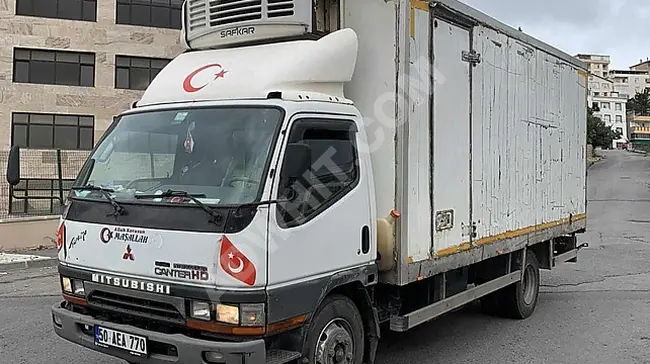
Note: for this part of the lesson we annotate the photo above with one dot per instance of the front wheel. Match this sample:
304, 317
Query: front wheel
336, 334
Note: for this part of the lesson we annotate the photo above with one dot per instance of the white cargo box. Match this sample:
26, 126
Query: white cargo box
479, 131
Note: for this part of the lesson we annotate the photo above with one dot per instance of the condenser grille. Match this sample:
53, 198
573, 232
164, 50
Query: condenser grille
234, 11
280, 8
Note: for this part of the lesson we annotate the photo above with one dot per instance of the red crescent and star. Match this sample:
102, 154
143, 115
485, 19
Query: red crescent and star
187, 83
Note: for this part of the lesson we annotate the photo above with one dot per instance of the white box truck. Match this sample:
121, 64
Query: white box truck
310, 170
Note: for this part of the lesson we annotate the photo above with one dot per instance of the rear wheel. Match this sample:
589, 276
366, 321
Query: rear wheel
517, 301
336, 334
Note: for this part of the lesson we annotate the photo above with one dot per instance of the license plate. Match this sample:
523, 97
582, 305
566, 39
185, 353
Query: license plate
134, 344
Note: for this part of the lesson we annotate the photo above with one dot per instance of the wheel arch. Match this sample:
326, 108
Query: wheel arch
357, 285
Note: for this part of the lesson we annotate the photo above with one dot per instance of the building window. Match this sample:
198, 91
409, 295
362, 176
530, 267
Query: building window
136, 73
54, 67
618, 106
58, 9
53, 131
604, 105
150, 13
619, 118
607, 118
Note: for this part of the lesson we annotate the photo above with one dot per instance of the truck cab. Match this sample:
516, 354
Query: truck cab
220, 210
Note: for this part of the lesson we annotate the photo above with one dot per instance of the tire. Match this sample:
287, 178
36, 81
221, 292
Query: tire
517, 301
336, 328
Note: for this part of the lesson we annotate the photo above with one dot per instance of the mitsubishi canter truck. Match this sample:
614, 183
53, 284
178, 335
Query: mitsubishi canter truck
309, 173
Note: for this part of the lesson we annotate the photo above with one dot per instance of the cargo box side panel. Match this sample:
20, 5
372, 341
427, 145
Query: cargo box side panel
419, 138
527, 129
373, 89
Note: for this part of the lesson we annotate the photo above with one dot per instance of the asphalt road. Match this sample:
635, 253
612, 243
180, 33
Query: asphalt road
597, 311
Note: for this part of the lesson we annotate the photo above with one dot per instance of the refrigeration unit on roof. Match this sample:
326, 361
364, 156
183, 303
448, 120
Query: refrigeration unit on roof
211, 24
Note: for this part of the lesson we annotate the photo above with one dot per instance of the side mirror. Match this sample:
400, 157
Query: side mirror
297, 161
13, 166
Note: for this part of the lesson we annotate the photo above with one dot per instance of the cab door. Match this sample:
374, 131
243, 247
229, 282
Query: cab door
326, 228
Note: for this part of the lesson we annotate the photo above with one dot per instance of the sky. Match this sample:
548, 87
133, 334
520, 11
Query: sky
618, 28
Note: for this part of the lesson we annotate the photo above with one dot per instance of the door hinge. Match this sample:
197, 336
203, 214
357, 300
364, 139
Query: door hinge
471, 57
469, 229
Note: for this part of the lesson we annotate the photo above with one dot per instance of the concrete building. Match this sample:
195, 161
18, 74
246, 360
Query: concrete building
640, 131
629, 82
642, 65
67, 67
609, 105
609, 91
597, 64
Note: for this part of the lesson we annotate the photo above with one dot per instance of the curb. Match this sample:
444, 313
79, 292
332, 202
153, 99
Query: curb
46, 262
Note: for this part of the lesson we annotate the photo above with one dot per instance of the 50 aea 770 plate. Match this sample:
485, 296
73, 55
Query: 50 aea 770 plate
134, 344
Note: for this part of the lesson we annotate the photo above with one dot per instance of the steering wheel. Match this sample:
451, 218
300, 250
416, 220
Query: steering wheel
242, 179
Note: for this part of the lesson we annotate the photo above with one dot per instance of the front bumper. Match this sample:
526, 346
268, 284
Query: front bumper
69, 325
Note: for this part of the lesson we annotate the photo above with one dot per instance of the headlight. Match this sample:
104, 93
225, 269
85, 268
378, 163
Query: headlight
66, 284
228, 314
73, 286
200, 310
252, 314
78, 287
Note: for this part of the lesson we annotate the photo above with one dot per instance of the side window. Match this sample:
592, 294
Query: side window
333, 169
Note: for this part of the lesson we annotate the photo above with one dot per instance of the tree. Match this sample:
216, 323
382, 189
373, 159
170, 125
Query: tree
598, 133
640, 103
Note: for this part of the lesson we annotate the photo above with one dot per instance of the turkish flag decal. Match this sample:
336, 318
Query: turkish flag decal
235, 262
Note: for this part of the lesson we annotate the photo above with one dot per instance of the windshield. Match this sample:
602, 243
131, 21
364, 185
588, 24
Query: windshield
219, 154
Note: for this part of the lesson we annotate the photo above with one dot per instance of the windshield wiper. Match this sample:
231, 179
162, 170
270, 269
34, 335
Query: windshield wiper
106, 192
216, 216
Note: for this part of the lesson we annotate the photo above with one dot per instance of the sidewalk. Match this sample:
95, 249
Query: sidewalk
28, 259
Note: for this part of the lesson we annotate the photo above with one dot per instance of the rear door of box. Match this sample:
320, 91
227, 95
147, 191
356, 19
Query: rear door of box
450, 138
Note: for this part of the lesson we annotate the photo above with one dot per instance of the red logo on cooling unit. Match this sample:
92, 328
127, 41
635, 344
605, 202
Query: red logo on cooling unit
187, 83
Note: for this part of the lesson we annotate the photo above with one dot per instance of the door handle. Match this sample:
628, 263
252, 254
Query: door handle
365, 239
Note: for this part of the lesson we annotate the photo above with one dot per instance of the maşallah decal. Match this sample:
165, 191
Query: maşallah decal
126, 235
235, 263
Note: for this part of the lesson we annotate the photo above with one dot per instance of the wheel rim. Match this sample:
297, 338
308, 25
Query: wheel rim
529, 283
335, 344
